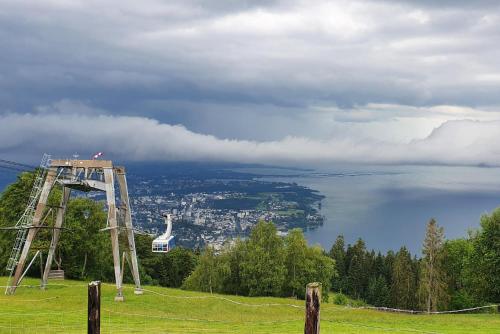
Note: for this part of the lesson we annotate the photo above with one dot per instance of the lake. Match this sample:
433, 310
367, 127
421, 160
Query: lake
389, 206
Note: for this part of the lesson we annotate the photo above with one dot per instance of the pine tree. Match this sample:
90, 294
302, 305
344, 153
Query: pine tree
388, 264
337, 253
378, 292
379, 266
357, 273
403, 280
433, 283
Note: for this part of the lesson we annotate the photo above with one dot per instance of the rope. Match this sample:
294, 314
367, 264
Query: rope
29, 300
14, 168
222, 298
197, 319
162, 317
388, 309
16, 164
39, 313
30, 286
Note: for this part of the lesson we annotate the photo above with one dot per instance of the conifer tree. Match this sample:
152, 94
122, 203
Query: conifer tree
388, 264
378, 292
379, 266
433, 285
403, 280
337, 253
357, 274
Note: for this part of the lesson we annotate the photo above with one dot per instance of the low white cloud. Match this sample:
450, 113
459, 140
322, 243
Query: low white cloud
138, 138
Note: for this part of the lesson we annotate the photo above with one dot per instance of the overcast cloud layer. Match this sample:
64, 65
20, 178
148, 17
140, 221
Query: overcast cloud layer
252, 81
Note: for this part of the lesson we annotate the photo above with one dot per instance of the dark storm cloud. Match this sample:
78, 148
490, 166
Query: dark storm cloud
255, 70
280, 53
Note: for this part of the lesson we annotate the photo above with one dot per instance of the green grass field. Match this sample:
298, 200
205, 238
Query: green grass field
63, 309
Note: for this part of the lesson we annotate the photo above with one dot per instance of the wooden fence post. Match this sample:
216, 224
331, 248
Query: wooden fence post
94, 308
313, 300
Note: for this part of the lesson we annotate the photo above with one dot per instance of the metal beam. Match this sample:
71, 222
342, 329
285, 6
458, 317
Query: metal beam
122, 183
56, 233
47, 187
81, 163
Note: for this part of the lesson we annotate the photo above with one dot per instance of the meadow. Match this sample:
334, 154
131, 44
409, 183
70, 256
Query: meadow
62, 308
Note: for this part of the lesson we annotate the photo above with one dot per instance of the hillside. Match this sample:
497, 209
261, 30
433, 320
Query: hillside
62, 309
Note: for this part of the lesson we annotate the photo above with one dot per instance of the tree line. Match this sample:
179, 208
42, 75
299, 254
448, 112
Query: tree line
449, 274
265, 264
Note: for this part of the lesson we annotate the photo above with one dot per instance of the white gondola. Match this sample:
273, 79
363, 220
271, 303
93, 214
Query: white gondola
165, 242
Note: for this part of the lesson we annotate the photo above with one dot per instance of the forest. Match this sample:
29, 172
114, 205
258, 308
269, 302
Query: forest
448, 274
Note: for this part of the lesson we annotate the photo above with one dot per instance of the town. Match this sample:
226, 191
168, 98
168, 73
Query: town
213, 211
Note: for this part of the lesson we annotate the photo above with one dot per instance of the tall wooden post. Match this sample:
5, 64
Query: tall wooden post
313, 301
94, 308
113, 224
125, 205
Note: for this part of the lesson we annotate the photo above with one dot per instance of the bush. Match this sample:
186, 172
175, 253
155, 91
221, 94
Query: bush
460, 300
340, 299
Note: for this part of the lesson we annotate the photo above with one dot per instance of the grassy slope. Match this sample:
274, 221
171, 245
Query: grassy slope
62, 309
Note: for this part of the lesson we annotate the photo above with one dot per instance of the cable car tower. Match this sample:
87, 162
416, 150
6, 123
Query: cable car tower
80, 175
165, 242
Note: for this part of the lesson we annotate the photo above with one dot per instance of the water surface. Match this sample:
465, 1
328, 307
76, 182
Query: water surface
390, 206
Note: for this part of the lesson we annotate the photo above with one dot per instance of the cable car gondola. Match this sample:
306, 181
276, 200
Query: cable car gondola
165, 242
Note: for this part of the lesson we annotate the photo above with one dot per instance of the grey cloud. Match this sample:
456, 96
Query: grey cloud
283, 53
447, 3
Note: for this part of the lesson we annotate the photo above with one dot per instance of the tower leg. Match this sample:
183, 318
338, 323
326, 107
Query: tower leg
42, 202
56, 233
125, 204
110, 198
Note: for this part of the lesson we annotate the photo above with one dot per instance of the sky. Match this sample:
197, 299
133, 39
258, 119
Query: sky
279, 82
